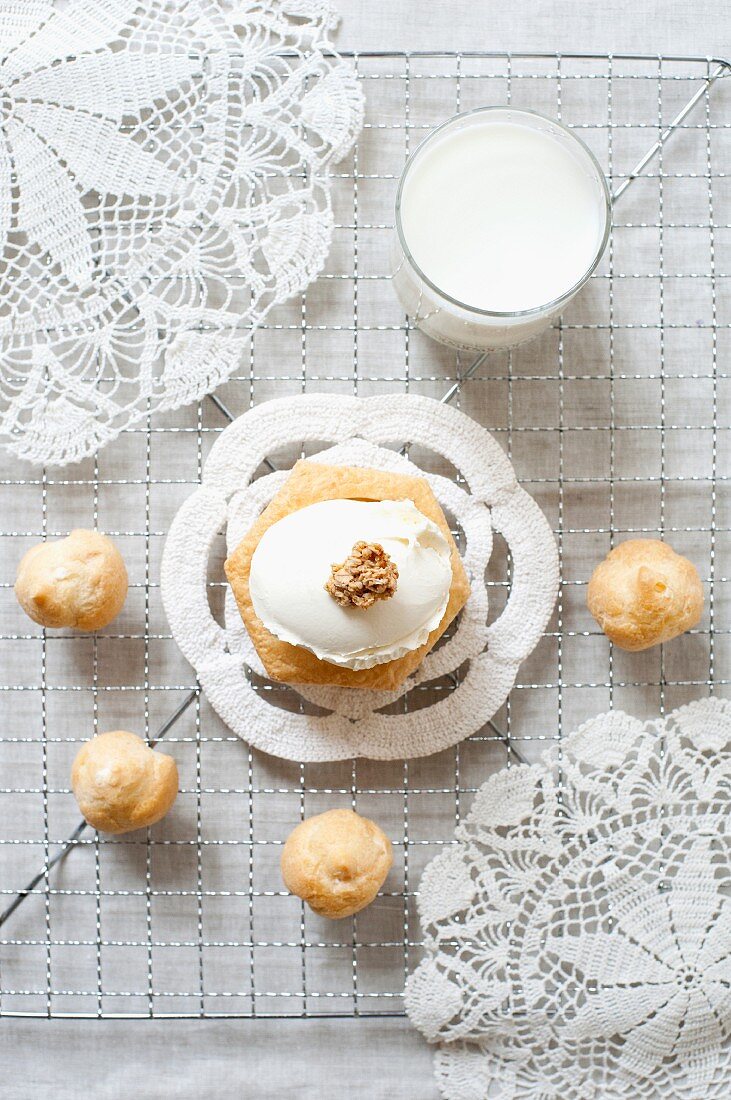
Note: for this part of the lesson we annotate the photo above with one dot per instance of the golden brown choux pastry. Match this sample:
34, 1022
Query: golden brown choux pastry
643, 593
336, 862
79, 581
121, 784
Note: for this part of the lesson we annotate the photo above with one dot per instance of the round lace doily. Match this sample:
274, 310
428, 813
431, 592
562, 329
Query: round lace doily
578, 935
163, 183
343, 722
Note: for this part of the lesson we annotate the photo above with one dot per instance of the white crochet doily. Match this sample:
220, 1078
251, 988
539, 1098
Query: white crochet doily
350, 722
163, 183
578, 935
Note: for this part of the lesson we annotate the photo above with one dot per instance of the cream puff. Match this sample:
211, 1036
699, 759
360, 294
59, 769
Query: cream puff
120, 783
79, 582
643, 593
336, 862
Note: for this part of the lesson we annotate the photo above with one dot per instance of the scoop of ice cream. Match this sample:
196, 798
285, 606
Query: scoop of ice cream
294, 560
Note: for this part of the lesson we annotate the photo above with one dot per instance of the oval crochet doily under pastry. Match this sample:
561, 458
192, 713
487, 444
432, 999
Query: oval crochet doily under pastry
578, 935
164, 181
481, 660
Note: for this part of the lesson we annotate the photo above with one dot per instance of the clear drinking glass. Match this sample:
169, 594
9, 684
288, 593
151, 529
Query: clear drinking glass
460, 324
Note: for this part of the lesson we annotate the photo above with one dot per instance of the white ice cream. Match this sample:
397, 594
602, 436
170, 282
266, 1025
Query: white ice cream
292, 562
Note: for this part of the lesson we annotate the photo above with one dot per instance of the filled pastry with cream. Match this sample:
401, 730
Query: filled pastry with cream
348, 577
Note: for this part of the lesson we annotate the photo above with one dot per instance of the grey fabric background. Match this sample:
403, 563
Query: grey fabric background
600, 26
353, 1058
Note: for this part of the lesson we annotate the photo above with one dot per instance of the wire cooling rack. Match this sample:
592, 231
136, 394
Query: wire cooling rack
617, 421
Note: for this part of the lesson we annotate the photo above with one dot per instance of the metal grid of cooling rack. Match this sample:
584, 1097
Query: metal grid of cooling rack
617, 420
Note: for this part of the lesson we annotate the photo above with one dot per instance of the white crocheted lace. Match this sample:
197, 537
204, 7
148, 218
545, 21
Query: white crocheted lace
343, 722
163, 183
579, 934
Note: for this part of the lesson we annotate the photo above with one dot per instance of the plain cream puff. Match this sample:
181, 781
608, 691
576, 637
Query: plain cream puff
643, 593
336, 862
120, 783
79, 581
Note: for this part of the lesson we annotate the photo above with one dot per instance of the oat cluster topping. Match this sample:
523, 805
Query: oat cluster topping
367, 575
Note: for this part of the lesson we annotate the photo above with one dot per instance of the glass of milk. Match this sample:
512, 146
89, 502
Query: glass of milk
501, 217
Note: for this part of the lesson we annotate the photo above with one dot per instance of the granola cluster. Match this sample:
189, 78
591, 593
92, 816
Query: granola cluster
367, 575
